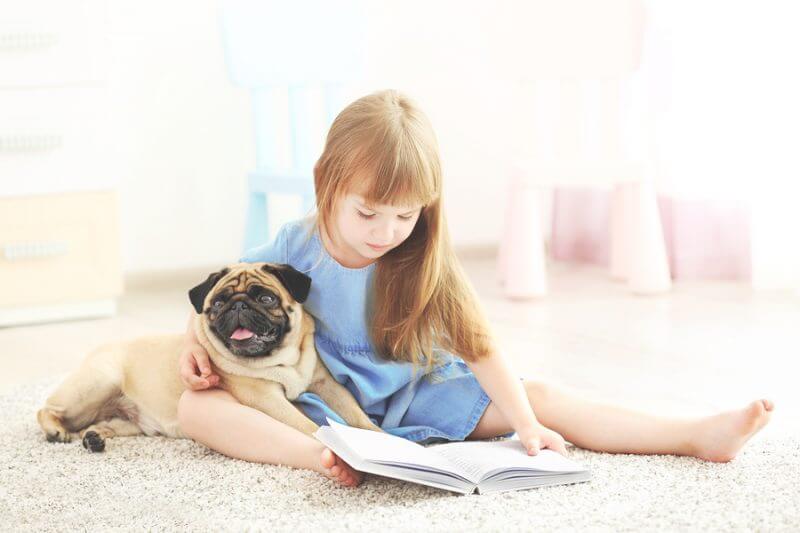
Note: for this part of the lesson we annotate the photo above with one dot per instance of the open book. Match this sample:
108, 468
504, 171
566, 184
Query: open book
488, 466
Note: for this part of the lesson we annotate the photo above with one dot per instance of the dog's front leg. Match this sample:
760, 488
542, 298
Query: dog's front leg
270, 398
339, 399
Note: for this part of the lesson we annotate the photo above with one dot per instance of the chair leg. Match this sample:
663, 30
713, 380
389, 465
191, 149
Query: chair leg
525, 258
257, 221
649, 272
621, 231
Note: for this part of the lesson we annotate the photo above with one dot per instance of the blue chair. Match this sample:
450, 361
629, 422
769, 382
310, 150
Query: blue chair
295, 50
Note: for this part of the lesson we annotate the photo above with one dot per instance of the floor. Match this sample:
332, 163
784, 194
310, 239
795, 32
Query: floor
703, 347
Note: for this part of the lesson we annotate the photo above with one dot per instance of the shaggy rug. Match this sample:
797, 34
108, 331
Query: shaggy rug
167, 484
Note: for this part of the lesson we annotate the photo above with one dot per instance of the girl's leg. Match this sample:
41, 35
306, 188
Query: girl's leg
606, 427
214, 418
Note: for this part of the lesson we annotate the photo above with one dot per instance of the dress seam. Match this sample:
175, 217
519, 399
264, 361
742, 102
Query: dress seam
334, 263
477, 411
350, 348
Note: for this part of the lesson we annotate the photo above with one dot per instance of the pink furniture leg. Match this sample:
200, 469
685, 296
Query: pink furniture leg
649, 266
621, 231
525, 270
502, 252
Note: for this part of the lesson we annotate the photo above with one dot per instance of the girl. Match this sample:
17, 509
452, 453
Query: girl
390, 299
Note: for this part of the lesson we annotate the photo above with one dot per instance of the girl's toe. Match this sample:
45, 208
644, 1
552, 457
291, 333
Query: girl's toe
328, 459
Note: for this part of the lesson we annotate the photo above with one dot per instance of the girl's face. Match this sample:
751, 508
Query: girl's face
367, 232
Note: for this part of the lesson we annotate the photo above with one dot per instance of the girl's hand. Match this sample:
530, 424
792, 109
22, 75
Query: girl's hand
535, 437
195, 368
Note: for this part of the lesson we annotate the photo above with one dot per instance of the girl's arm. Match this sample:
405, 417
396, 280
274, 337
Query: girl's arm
507, 392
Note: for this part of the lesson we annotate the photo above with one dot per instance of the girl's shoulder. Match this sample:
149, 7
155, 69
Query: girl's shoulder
300, 236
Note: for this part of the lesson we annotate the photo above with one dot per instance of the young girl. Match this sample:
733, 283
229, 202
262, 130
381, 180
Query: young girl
398, 323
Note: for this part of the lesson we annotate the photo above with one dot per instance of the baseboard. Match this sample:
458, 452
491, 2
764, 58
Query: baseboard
477, 251
149, 279
18, 316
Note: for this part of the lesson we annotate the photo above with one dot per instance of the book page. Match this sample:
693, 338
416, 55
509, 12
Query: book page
422, 475
386, 448
478, 458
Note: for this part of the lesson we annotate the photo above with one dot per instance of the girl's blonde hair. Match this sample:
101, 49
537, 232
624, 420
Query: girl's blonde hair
421, 295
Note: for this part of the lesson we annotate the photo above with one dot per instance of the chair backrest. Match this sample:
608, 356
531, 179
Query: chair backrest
582, 131
585, 116
299, 42
290, 125
295, 57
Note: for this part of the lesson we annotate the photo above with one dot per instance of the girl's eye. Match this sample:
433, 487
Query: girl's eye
364, 215
266, 299
409, 217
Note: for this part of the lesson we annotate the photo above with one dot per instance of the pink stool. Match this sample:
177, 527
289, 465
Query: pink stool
647, 262
638, 252
521, 258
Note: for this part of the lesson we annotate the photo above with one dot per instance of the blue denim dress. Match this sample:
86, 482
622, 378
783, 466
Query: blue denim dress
446, 407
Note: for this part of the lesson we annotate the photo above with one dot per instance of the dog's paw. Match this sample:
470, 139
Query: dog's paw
58, 435
93, 442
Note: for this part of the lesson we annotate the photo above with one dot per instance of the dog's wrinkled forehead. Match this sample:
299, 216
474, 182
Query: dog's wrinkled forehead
281, 278
245, 278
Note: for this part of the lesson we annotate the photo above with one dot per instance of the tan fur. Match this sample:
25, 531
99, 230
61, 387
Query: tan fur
133, 387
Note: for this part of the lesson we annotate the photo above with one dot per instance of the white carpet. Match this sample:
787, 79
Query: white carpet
167, 484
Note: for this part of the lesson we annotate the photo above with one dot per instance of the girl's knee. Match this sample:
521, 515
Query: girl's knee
186, 409
537, 391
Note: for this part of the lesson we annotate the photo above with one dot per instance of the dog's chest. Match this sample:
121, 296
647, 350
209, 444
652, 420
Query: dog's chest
294, 383
290, 368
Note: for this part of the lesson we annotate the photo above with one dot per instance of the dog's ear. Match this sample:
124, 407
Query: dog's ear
198, 294
297, 283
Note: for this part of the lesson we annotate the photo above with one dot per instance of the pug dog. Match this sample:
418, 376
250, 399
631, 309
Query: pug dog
252, 324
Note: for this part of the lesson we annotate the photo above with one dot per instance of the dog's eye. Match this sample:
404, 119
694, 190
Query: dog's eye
218, 303
266, 299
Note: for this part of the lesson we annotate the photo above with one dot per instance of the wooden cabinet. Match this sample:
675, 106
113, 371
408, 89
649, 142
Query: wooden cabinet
59, 256
59, 220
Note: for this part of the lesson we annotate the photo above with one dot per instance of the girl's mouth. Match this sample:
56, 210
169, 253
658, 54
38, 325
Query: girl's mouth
377, 247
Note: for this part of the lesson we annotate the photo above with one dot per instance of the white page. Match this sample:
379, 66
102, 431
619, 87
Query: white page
529, 482
478, 458
431, 478
386, 448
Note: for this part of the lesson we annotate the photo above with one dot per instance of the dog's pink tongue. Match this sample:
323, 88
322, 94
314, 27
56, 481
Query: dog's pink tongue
241, 334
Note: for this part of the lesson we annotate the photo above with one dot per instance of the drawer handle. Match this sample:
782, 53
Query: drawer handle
29, 143
35, 250
21, 41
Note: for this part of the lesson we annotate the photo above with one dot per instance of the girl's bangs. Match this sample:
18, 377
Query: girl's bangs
401, 178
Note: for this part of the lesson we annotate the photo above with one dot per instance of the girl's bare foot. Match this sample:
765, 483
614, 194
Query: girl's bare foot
720, 437
335, 468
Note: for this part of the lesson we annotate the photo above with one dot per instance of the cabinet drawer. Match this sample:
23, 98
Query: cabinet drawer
59, 248
52, 140
53, 43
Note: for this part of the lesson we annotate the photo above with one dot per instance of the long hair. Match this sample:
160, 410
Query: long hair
421, 297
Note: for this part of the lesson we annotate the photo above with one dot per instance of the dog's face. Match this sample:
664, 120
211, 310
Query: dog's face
249, 307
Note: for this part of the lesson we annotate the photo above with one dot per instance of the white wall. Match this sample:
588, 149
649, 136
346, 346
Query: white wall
181, 135
722, 112
181, 141
731, 119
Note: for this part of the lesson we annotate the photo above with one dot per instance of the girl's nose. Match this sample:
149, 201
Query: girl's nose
383, 234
